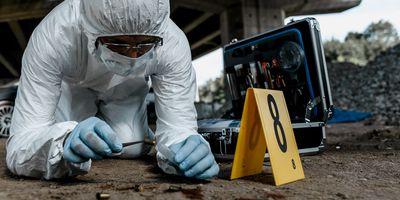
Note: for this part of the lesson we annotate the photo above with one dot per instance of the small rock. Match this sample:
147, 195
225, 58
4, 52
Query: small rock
341, 195
53, 186
267, 189
390, 154
138, 188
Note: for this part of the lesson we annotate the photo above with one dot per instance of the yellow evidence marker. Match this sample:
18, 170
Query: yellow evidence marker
266, 124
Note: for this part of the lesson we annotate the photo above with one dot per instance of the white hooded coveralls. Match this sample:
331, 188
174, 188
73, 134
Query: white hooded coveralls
63, 82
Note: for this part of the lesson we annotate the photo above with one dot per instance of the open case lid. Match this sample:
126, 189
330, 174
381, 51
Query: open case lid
290, 59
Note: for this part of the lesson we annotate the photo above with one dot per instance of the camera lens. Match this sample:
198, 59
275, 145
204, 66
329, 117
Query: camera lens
291, 56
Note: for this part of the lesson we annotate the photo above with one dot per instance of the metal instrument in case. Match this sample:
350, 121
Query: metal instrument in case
290, 59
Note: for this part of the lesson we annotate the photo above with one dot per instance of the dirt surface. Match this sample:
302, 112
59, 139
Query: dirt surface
360, 162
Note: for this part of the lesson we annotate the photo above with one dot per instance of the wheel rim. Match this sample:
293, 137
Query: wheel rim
5, 119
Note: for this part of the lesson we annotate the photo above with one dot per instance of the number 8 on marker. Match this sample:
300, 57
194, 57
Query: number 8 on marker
275, 116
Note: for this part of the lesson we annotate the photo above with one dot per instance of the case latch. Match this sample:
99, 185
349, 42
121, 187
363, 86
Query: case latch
310, 107
234, 40
328, 113
226, 135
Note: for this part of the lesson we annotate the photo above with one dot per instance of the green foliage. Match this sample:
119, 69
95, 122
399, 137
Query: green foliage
360, 48
212, 99
213, 91
381, 32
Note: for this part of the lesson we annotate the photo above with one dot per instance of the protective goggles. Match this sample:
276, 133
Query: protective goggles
142, 44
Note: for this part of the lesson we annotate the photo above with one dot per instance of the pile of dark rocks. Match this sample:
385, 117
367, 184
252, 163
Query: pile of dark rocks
372, 88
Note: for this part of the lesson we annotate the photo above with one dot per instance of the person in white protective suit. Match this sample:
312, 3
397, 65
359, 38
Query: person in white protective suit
85, 75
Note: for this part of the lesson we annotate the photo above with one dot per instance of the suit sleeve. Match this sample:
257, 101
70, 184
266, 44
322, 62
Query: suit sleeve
174, 86
35, 145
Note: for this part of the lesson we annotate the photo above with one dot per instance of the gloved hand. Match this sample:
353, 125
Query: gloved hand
91, 139
194, 158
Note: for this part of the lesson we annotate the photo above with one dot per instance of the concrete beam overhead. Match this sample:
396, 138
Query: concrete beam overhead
213, 6
18, 33
22, 11
197, 22
310, 7
8, 66
206, 39
12, 11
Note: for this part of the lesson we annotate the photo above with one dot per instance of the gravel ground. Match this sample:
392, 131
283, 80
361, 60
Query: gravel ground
360, 162
373, 88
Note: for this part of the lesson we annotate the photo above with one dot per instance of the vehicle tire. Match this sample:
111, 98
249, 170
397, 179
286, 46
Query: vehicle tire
6, 110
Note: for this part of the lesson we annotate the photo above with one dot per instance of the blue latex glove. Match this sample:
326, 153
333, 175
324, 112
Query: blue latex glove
91, 139
194, 158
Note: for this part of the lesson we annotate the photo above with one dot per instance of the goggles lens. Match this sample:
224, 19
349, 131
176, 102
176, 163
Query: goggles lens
131, 46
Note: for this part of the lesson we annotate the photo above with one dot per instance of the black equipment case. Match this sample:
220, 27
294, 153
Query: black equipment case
290, 59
